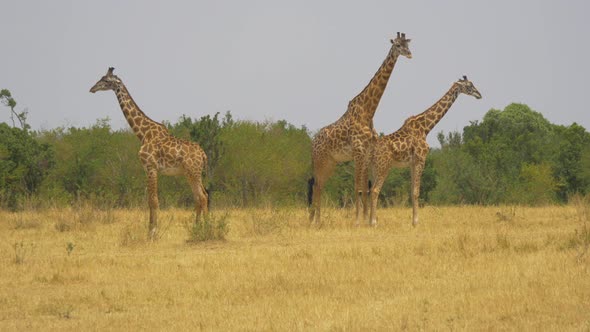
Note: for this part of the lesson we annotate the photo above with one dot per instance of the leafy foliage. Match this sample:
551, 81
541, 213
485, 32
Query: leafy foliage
263, 163
7, 100
24, 163
512, 156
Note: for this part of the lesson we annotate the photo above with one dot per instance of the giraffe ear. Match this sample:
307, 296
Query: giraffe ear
391, 40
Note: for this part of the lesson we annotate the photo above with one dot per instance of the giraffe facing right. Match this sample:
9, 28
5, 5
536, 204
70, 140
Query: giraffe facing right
352, 136
407, 146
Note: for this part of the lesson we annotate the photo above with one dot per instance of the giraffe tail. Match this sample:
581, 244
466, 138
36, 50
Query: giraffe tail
310, 184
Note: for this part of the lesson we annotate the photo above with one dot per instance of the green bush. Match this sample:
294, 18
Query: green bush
208, 229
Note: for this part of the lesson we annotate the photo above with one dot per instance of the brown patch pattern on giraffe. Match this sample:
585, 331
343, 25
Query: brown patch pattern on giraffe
160, 152
407, 147
352, 136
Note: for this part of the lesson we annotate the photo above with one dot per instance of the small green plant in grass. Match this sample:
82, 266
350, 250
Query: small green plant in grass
70, 247
208, 229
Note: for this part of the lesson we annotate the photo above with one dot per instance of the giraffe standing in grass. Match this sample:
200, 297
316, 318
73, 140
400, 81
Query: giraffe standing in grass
352, 136
160, 152
407, 146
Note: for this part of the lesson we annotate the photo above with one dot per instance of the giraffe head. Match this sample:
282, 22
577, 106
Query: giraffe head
465, 86
400, 45
107, 82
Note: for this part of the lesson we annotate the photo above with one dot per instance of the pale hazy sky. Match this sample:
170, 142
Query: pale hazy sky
301, 61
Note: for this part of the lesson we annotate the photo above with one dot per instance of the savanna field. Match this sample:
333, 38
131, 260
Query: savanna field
462, 268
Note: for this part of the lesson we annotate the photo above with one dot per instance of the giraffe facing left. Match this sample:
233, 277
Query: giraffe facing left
160, 152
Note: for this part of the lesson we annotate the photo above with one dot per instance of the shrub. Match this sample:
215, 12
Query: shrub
208, 229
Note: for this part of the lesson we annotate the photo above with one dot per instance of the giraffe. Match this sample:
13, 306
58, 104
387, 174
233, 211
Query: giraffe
407, 146
351, 137
160, 152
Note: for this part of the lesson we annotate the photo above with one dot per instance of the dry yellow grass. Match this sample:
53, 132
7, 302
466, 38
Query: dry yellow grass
462, 268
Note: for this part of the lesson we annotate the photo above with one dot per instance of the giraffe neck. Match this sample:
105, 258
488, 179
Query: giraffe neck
138, 121
371, 95
429, 118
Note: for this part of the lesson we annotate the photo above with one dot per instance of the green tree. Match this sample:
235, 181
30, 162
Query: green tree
500, 144
7, 100
512, 156
24, 163
459, 178
95, 164
573, 141
263, 163
585, 167
535, 186
207, 132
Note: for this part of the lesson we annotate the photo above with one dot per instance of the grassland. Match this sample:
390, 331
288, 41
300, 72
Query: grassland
462, 268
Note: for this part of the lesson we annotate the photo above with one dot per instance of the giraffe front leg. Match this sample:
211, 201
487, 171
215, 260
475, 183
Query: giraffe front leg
361, 188
322, 172
153, 202
316, 202
375, 190
417, 169
365, 191
361, 181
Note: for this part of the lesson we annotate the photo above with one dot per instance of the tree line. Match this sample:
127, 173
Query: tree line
511, 156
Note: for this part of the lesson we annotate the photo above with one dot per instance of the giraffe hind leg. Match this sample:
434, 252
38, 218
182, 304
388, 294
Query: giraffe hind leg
200, 196
374, 197
153, 203
417, 169
361, 186
204, 198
